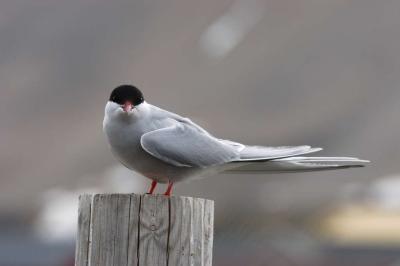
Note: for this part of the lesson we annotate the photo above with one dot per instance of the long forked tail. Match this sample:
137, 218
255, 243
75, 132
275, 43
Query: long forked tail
296, 164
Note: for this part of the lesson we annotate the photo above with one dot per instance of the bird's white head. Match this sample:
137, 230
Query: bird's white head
126, 102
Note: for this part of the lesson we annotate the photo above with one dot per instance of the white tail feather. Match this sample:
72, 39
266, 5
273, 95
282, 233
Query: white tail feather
297, 164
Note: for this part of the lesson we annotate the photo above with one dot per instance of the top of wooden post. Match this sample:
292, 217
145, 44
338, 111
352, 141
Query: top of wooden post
130, 229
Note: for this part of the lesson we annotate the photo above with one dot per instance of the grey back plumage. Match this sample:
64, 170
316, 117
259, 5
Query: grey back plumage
183, 145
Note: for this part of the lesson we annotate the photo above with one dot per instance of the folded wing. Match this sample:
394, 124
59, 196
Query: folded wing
262, 153
185, 146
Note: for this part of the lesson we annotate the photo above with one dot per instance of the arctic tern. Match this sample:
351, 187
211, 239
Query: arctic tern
168, 148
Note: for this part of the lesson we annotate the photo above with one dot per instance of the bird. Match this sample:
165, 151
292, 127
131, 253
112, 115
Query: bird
168, 148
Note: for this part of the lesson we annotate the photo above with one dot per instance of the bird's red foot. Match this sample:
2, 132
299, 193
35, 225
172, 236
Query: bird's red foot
169, 189
152, 187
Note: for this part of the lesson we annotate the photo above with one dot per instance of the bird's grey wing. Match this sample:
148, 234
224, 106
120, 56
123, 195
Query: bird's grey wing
184, 145
263, 153
246, 153
255, 153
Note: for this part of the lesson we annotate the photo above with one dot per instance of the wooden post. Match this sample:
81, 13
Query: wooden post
144, 230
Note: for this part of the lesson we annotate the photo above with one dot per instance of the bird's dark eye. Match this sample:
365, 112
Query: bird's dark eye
124, 93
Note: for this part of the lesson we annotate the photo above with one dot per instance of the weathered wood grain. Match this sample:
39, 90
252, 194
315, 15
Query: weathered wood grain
180, 231
83, 234
208, 231
110, 229
153, 230
133, 234
134, 230
197, 235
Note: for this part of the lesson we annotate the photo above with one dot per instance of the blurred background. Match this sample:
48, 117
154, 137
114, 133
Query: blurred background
275, 72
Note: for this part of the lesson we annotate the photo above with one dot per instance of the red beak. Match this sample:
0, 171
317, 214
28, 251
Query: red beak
128, 106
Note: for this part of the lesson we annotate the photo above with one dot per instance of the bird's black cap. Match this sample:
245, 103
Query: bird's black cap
124, 93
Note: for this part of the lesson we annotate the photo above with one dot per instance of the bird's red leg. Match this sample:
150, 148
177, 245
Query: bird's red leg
153, 186
169, 189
